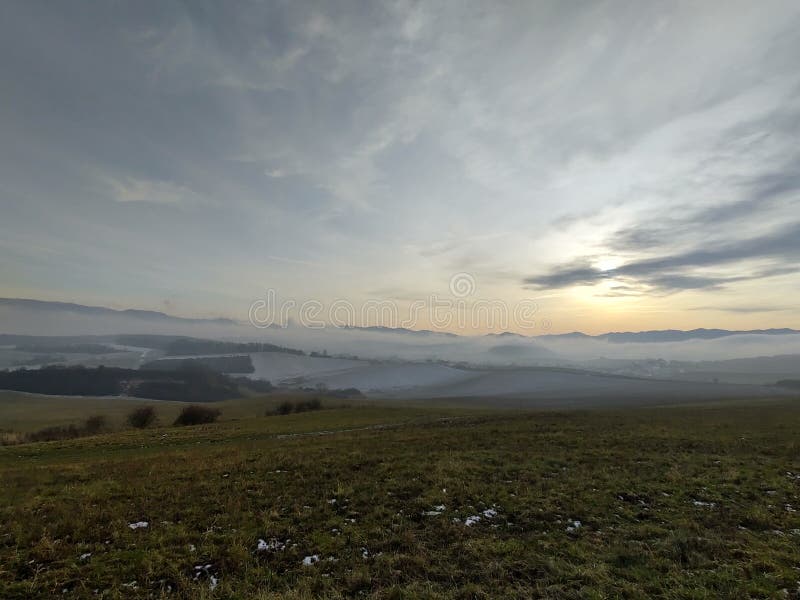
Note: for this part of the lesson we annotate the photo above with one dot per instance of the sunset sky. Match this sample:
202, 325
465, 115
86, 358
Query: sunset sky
626, 165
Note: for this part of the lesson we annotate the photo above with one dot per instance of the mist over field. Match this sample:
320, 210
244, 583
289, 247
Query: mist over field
617, 368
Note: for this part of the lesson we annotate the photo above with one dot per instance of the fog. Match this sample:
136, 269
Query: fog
508, 349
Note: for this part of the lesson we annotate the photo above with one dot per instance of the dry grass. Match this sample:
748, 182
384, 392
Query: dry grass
672, 503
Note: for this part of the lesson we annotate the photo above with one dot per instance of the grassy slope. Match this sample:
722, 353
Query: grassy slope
631, 478
22, 412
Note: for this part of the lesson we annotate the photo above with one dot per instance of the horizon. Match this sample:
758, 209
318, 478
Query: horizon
292, 323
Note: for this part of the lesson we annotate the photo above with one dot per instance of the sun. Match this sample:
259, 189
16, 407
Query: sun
607, 263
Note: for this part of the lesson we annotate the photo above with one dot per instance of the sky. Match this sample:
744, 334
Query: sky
622, 165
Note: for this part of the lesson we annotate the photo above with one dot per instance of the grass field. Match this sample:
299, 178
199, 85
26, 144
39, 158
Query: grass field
392, 502
22, 412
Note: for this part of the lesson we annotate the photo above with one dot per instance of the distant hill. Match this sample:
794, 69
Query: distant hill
190, 383
188, 346
402, 330
792, 384
617, 337
240, 363
23, 316
670, 335
150, 315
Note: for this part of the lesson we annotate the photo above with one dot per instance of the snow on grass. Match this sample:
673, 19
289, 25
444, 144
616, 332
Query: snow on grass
704, 504
489, 513
201, 571
139, 525
573, 526
273, 545
435, 511
310, 560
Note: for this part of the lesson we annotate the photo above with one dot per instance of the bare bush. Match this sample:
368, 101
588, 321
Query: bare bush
197, 415
142, 417
95, 424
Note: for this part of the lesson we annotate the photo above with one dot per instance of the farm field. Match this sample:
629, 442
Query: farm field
414, 502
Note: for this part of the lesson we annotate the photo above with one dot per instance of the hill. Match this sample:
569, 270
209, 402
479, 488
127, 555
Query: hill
388, 502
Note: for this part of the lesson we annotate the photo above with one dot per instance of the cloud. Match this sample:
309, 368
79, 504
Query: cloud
156, 192
742, 309
780, 247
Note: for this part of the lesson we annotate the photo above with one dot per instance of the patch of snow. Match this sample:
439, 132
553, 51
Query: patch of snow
489, 513
139, 525
436, 511
702, 503
574, 526
85, 556
273, 545
200, 570
310, 560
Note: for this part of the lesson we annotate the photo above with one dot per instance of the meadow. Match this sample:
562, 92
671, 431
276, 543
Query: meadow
417, 501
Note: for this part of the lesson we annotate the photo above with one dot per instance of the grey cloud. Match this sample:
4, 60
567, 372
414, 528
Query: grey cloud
673, 272
743, 309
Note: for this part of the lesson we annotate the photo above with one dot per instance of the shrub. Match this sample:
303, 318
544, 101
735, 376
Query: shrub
284, 408
313, 404
287, 407
50, 434
142, 417
197, 415
95, 424
346, 393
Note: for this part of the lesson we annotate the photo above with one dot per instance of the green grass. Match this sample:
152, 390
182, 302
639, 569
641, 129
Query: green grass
22, 412
633, 479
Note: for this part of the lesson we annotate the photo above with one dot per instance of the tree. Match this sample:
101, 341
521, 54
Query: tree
284, 408
197, 415
142, 417
95, 424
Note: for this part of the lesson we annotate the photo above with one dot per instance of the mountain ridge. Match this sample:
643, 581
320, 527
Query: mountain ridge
648, 336
103, 310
